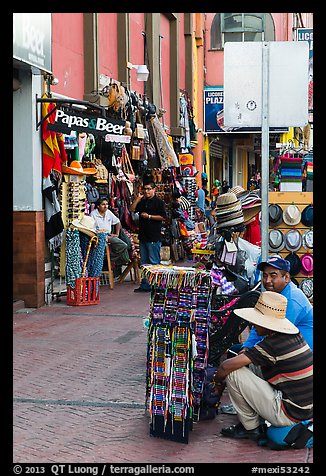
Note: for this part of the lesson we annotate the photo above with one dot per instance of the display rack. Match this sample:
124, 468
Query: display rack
177, 348
301, 200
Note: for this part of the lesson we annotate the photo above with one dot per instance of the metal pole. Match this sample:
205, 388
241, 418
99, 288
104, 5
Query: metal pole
265, 152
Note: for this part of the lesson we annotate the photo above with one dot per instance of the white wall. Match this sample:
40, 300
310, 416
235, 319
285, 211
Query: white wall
27, 144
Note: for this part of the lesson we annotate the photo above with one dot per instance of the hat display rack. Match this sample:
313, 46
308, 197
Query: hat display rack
291, 234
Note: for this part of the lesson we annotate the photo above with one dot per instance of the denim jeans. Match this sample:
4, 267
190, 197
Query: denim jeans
150, 253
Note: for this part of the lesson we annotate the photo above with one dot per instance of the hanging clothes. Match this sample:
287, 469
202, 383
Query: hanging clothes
165, 150
184, 123
53, 150
253, 233
54, 225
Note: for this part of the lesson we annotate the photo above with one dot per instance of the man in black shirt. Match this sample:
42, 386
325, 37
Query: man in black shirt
151, 215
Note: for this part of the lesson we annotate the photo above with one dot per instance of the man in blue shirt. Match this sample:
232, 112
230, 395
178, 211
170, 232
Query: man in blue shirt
200, 202
276, 277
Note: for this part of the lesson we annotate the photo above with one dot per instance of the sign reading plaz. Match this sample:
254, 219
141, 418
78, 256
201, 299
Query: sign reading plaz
67, 121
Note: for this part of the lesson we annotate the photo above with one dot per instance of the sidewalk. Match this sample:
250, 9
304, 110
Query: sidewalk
79, 391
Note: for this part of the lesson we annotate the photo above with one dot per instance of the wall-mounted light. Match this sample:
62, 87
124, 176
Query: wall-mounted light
142, 71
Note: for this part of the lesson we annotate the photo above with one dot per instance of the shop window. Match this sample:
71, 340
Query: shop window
241, 27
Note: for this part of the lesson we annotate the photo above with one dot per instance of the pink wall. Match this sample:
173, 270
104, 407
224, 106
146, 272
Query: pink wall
215, 59
182, 50
137, 25
107, 31
68, 53
165, 68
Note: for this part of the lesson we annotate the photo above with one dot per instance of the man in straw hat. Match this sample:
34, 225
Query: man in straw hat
282, 395
276, 277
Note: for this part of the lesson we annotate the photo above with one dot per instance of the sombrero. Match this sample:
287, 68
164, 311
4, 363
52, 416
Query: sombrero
86, 225
269, 312
76, 168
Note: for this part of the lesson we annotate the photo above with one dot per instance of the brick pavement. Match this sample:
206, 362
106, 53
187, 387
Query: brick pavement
79, 391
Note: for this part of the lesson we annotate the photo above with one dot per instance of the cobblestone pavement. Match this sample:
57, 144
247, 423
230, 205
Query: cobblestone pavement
79, 391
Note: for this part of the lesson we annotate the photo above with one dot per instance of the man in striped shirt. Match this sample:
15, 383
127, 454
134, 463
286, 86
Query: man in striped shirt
282, 392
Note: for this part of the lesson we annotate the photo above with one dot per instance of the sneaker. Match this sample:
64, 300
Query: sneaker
142, 290
228, 409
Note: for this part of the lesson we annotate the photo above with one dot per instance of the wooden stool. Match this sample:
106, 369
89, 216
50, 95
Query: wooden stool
133, 266
109, 272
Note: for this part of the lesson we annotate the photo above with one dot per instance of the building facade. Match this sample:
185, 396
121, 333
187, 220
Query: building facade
76, 55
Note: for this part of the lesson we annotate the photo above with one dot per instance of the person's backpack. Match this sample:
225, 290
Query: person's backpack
297, 436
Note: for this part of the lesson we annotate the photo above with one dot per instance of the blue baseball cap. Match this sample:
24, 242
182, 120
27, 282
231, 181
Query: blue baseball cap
276, 262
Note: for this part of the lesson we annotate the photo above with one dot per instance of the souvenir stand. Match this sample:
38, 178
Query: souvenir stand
231, 261
177, 349
291, 234
123, 162
291, 213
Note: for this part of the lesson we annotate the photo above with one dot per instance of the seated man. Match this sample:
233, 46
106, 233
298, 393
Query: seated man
276, 277
105, 220
282, 392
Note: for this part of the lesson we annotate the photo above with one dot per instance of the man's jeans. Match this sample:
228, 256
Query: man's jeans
150, 253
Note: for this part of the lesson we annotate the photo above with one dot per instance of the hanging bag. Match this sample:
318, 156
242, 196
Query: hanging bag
92, 193
228, 254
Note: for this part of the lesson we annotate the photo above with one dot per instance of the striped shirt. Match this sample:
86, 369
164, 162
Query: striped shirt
286, 362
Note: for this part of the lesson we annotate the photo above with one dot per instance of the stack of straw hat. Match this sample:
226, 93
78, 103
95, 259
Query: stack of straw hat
228, 211
250, 202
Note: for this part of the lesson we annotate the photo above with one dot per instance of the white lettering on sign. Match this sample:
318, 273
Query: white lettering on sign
214, 97
103, 125
117, 138
33, 39
100, 124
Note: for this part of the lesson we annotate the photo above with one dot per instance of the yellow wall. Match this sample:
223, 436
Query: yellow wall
289, 136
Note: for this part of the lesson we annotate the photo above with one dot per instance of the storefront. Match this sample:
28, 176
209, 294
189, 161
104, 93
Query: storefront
91, 152
31, 63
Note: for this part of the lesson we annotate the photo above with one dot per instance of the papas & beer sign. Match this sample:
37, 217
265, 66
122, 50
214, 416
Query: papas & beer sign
67, 121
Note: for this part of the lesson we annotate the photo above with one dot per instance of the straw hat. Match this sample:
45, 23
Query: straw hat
76, 168
228, 210
269, 312
86, 225
292, 215
250, 212
238, 191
